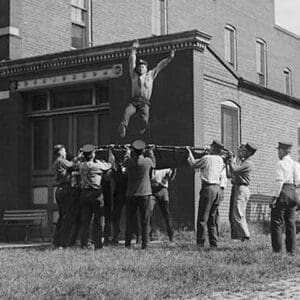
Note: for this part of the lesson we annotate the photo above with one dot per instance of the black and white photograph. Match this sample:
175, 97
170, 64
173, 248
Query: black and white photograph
150, 149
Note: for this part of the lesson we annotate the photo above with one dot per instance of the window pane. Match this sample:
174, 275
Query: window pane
85, 130
72, 98
79, 3
41, 144
39, 102
230, 128
78, 36
102, 94
61, 131
104, 129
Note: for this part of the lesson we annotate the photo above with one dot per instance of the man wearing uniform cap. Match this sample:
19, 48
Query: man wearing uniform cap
240, 171
62, 169
91, 198
211, 167
138, 190
283, 208
141, 88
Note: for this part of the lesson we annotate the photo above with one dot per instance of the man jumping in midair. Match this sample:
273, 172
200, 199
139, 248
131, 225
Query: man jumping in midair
141, 86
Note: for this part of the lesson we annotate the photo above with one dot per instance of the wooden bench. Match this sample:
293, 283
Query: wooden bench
29, 218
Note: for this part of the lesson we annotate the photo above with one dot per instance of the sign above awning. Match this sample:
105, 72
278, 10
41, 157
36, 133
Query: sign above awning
73, 78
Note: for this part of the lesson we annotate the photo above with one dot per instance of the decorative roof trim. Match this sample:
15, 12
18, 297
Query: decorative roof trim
60, 61
268, 93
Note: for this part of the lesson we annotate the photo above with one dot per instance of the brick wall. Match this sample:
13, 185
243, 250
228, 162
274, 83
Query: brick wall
115, 20
170, 121
263, 122
15, 171
45, 26
252, 19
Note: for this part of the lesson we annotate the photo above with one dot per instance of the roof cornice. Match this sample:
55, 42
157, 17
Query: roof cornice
270, 94
193, 39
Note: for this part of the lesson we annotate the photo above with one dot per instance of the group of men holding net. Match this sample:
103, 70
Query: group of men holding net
85, 184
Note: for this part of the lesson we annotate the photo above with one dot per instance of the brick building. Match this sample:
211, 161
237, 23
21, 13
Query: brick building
238, 82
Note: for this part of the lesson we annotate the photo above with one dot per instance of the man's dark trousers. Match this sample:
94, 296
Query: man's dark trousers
107, 195
64, 199
210, 197
91, 204
284, 213
132, 203
75, 220
161, 195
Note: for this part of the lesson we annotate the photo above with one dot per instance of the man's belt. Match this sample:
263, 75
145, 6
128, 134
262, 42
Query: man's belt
206, 183
240, 183
140, 100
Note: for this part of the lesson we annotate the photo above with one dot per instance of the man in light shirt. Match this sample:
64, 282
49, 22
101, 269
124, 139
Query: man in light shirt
283, 208
141, 88
160, 191
240, 172
211, 166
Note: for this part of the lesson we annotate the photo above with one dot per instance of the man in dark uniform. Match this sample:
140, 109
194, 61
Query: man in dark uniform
120, 178
211, 167
138, 189
75, 211
283, 208
107, 196
62, 169
91, 197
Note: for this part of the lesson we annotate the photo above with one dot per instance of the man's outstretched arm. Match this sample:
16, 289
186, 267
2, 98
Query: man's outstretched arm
163, 63
132, 56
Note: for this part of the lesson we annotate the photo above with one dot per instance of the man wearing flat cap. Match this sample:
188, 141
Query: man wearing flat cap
240, 170
283, 208
138, 189
211, 167
141, 88
91, 198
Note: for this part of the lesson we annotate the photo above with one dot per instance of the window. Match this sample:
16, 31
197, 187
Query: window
287, 81
230, 125
73, 98
40, 144
261, 61
79, 23
230, 45
74, 117
159, 17
39, 102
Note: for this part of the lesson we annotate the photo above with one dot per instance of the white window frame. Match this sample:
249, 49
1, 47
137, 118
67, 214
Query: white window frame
229, 104
261, 61
159, 17
83, 7
230, 48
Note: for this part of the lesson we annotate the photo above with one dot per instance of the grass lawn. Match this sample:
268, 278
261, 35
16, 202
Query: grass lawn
161, 272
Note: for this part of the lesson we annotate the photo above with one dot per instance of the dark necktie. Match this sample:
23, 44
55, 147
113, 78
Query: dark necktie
139, 81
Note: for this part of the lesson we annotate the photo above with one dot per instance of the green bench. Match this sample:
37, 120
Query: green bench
27, 219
